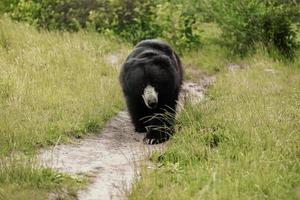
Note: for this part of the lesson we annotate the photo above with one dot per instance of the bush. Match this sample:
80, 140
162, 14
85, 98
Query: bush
132, 20
6, 5
245, 23
136, 20
177, 25
68, 15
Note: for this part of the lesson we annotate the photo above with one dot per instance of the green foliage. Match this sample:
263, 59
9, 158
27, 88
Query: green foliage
28, 11
132, 20
68, 15
245, 23
178, 25
137, 20
7, 5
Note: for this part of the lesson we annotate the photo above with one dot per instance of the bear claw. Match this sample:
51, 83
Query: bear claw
152, 141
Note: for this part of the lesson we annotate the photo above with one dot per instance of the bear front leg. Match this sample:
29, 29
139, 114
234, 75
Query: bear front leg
137, 114
159, 128
138, 122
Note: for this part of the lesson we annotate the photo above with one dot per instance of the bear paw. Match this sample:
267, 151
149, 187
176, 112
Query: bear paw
150, 139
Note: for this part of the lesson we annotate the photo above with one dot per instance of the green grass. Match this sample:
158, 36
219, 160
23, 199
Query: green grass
241, 142
21, 178
53, 86
210, 57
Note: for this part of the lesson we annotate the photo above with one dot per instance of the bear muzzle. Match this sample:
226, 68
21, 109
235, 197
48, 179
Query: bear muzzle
150, 97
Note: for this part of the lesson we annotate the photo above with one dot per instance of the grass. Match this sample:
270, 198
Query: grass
210, 58
53, 86
241, 142
22, 178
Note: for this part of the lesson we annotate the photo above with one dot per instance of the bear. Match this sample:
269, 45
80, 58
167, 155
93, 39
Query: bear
151, 79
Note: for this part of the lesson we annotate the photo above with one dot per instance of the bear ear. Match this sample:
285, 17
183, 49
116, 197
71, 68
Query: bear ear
148, 54
156, 44
162, 60
174, 56
134, 62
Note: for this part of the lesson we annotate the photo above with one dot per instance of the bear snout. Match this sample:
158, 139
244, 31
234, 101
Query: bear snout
152, 103
150, 97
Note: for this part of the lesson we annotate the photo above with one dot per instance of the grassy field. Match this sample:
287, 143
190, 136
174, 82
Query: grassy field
53, 86
241, 142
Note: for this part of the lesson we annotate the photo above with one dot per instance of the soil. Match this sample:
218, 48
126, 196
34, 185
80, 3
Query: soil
112, 157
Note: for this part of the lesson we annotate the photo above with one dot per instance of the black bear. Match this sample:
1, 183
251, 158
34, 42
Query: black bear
151, 79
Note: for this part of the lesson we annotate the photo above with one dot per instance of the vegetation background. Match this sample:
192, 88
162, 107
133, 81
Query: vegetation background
241, 142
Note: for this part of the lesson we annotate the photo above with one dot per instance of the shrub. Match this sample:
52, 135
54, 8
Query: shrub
68, 15
178, 26
245, 23
6, 5
132, 20
136, 20
28, 11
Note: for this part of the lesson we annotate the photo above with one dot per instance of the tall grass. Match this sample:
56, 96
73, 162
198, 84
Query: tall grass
241, 142
54, 84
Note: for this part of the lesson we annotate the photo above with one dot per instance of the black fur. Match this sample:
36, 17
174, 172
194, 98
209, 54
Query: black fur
152, 62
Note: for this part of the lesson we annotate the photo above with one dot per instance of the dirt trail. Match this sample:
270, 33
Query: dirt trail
112, 158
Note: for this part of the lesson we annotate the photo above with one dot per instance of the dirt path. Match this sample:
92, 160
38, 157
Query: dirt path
112, 158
